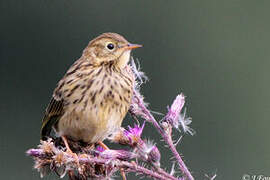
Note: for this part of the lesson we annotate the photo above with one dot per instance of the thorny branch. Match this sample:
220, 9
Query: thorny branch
165, 133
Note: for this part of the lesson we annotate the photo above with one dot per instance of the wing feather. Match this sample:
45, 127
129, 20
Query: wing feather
53, 112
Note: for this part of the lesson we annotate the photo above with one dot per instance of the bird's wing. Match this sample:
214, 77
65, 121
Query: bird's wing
53, 112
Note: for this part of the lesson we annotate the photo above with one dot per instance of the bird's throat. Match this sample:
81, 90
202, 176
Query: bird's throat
124, 59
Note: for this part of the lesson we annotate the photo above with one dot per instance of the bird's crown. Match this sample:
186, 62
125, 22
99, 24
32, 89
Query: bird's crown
109, 48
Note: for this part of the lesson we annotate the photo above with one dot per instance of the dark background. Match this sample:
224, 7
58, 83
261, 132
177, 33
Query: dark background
215, 52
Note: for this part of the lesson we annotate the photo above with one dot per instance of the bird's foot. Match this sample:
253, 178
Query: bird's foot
71, 153
100, 143
74, 156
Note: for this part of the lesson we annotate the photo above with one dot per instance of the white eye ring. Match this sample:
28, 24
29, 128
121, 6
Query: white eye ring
110, 46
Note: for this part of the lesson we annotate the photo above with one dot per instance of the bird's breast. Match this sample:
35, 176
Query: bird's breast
97, 106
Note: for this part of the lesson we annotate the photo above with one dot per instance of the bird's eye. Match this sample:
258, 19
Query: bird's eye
110, 46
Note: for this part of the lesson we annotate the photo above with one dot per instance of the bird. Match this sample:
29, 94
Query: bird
91, 100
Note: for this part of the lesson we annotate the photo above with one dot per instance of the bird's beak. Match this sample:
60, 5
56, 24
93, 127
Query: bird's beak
133, 46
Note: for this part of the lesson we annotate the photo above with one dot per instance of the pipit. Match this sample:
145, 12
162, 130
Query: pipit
92, 99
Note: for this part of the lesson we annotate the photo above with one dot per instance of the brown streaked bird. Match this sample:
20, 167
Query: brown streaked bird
92, 99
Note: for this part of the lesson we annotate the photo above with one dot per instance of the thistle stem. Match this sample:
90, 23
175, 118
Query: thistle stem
164, 135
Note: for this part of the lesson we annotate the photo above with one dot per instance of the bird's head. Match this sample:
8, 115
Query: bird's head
109, 48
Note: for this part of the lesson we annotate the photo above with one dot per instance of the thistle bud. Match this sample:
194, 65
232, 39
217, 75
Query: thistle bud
117, 154
154, 156
174, 111
175, 118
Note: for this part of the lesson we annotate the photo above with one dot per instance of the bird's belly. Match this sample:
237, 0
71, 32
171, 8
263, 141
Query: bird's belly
89, 126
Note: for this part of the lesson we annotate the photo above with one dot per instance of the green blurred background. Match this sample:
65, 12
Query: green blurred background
215, 52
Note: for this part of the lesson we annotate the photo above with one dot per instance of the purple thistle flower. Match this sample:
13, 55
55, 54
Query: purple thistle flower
100, 149
136, 131
134, 134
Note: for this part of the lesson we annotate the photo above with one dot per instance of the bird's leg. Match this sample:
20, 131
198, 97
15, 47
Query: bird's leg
121, 169
66, 144
75, 156
103, 145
